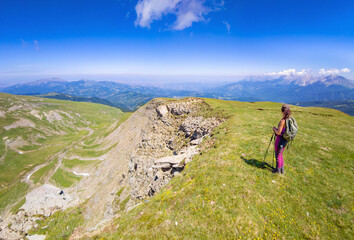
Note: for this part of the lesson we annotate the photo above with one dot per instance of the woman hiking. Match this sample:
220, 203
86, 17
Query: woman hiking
280, 141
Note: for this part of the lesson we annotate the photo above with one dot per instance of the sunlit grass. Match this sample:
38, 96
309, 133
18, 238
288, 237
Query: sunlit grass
45, 140
64, 178
71, 163
227, 192
62, 224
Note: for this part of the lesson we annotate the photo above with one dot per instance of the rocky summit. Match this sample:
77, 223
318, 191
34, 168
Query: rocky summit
168, 143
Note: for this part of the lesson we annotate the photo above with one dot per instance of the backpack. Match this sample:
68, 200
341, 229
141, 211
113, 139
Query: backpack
291, 129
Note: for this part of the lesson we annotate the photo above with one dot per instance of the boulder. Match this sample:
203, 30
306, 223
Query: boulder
162, 111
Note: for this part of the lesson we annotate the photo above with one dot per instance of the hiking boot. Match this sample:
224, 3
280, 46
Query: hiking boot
276, 170
282, 170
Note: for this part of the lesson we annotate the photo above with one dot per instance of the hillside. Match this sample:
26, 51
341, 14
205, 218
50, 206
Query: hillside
344, 106
228, 192
38, 139
125, 96
287, 88
68, 97
193, 168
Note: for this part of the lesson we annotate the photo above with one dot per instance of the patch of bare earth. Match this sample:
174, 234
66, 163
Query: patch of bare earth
20, 123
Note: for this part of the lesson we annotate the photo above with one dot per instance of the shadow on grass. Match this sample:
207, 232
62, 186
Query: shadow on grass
258, 164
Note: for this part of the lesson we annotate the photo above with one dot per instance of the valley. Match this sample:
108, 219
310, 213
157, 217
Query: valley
330, 90
175, 168
37, 137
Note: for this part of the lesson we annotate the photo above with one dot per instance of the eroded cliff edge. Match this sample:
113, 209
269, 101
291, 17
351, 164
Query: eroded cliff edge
147, 151
168, 142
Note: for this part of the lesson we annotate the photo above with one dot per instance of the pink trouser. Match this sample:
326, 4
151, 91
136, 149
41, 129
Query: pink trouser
279, 147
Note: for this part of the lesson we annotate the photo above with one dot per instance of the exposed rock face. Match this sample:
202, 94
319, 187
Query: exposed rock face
40, 203
53, 116
20, 123
15, 143
168, 143
36, 114
17, 226
45, 199
148, 149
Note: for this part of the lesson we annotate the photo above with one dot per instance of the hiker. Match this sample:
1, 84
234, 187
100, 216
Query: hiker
280, 141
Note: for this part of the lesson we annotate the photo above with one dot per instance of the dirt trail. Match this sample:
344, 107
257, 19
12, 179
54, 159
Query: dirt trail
60, 155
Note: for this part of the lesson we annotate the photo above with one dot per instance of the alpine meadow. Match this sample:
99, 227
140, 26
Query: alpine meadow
176, 119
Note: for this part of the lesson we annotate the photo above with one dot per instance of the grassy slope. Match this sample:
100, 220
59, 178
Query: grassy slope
15, 166
227, 192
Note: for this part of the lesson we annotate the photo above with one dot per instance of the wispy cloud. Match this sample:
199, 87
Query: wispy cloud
187, 12
36, 45
288, 72
228, 27
293, 72
323, 71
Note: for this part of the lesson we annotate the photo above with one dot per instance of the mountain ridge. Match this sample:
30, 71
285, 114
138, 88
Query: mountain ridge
286, 88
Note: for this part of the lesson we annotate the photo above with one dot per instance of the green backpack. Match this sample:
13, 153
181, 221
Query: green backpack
291, 129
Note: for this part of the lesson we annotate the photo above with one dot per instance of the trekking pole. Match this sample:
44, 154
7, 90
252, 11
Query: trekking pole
271, 139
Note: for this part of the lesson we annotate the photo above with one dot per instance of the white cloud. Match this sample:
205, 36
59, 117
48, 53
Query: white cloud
323, 71
288, 72
228, 27
186, 11
149, 10
293, 72
345, 70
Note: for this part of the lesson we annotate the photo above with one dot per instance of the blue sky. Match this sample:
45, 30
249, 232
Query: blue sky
174, 39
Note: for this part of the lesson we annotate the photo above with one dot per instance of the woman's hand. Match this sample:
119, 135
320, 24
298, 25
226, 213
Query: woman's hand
274, 129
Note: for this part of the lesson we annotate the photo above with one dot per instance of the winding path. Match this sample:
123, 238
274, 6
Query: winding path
60, 155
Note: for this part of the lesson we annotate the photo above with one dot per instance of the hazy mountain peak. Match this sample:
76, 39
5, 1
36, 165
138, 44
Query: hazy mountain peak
337, 80
304, 79
48, 80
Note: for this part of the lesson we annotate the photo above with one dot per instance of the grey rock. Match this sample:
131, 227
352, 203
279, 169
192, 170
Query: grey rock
168, 143
36, 237
162, 111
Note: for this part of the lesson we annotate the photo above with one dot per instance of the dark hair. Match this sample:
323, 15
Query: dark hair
286, 108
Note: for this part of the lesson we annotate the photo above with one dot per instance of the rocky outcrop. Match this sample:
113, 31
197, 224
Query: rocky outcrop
45, 200
168, 144
146, 152
17, 226
40, 203
20, 123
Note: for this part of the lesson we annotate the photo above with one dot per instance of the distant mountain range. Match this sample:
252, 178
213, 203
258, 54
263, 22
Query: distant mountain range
68, 97
121, 95
290, 89
293, 88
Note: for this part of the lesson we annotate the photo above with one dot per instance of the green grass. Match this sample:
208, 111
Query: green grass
61, 224
17, 206
88, 153
64, 178
12, 194
15, 166
30, 147
40, 173
227, 192
120, 192
71, 163
123, 203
